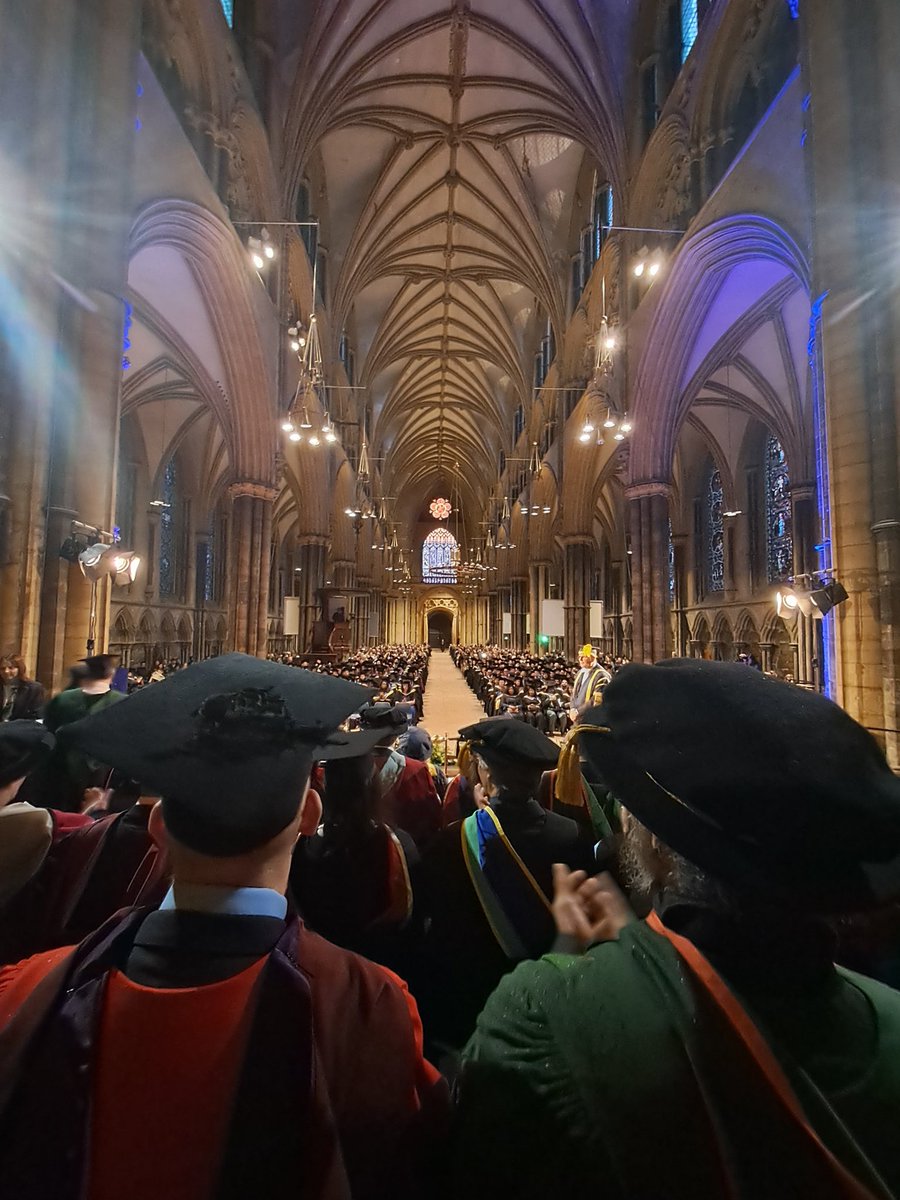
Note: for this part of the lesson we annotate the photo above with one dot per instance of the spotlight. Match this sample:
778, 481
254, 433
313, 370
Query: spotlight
91, 562
791, 600
302, 341
639, 269
295, 346
610, 343
127, 565
825, 598
292, 331
653, 269
257, 260
269, 251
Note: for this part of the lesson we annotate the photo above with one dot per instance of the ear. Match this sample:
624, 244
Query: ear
310, 812
156, 827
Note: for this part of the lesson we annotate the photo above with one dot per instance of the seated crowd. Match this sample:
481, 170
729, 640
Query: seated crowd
534, 688
267, 950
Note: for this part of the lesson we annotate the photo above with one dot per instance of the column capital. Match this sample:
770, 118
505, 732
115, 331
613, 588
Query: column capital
648, 487
577, 539
257, 491
312, 539
803, 491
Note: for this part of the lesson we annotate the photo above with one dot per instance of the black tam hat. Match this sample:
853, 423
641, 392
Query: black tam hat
759, 783
504, 740
388, 719
228, 744
24, 745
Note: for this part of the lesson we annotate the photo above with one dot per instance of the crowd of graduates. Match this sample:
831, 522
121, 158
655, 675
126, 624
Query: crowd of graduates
255, 943
534, 688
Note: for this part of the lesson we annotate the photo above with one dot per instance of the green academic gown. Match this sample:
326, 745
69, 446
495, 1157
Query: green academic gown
614, 1075
69, 771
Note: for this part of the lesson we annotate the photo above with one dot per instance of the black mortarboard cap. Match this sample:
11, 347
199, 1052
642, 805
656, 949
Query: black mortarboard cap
228, 743
24, 745
759, 783
387, 719
505, 740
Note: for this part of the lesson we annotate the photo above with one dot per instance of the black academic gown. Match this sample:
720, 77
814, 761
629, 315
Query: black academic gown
462, 961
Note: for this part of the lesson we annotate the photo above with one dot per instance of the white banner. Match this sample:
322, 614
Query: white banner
553, 618
597, 630
291, 616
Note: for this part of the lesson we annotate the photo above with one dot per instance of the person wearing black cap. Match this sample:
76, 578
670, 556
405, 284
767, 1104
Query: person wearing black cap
355, 882
488, 879
714, 1049
408, 790
215, 1047
26, 833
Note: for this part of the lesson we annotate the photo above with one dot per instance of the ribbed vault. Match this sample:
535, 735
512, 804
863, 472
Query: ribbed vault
451, 134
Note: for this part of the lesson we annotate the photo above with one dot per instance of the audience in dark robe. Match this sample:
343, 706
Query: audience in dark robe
184, 1029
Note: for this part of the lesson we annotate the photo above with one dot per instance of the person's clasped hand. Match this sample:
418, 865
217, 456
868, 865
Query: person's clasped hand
588, 908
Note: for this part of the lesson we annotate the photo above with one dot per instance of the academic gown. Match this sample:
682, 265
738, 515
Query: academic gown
463, 961
412, 803
618, 1075
315, 1081
62, 781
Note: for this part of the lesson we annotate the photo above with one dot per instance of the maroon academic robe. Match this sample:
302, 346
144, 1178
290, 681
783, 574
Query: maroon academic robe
413, 803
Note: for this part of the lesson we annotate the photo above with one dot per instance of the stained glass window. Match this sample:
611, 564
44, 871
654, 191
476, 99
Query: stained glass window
671, 565
437, 557
167, 531
779, 531
228, 10
715, 534
689, 25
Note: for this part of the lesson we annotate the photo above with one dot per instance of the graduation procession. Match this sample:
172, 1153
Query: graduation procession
449, 624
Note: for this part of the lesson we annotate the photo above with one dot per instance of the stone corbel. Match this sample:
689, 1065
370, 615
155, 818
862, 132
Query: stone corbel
258, 491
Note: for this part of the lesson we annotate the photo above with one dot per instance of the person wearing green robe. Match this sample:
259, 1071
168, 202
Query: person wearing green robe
70, 772
713, 1050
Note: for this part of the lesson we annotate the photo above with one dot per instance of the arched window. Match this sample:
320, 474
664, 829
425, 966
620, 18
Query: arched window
168, 530
692, 14
438, 557
779, 529
671, 565
715, 534
228, 10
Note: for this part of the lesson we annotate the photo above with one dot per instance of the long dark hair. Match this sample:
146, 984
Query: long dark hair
352, 805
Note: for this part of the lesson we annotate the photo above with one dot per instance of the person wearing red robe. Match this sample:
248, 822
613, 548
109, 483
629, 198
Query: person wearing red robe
410, 799
216, 1047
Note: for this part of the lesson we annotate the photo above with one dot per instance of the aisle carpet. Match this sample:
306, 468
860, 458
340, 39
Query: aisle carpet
449, 701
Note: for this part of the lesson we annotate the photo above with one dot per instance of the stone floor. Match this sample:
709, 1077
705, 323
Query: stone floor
449, 702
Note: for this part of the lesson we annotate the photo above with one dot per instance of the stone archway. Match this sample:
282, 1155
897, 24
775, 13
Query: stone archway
439, 628
440, 613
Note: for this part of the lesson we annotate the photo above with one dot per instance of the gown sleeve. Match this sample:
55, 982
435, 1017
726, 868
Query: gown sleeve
520, 1120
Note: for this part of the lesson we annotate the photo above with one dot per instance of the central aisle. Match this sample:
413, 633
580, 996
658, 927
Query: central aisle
449, 702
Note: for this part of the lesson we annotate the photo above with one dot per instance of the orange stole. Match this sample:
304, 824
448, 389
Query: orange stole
769, 1071
167, 1069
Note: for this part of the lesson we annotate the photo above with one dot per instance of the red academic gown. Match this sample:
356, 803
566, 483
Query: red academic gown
163, 1100
413, 803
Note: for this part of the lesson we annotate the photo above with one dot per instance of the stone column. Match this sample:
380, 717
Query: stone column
250, 537
577, 570
519, 610
537, 590
850, 72
310, 555
361, 613
648, 524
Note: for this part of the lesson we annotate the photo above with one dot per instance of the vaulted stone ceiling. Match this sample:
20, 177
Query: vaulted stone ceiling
452, 134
